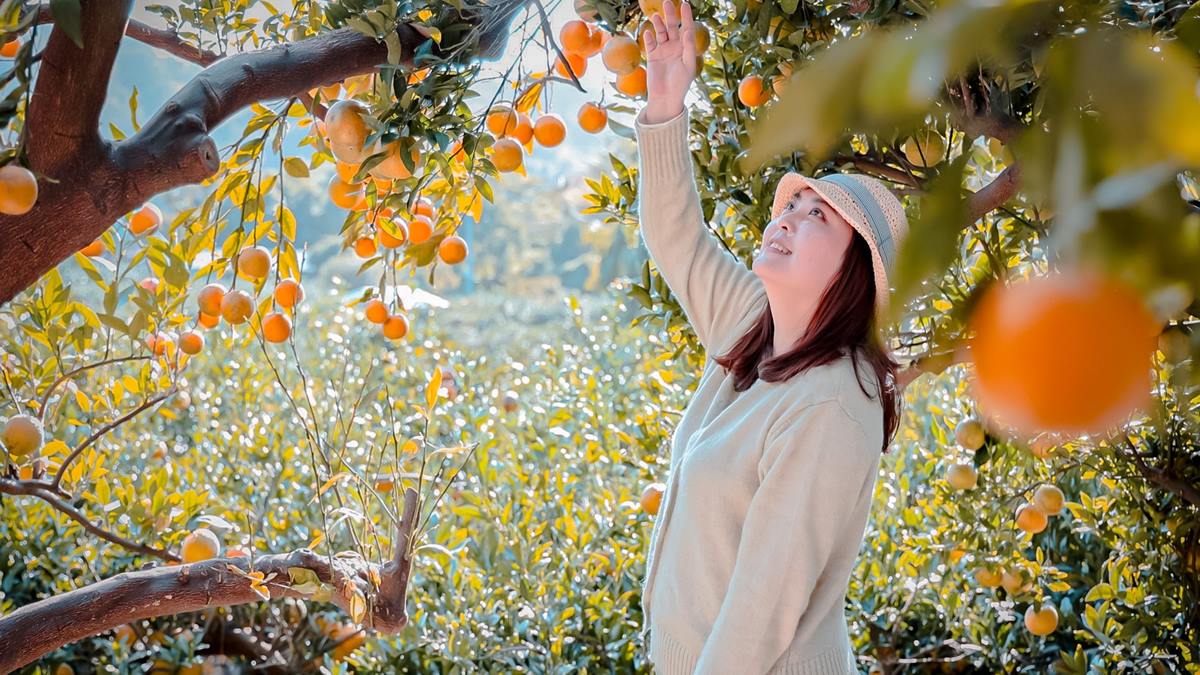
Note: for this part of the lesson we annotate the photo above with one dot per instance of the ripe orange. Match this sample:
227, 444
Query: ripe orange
703, 38
988, 578
393, 167
377, 312
962, 476
347, 195
452, 250
620, 54
289, 293
276, 327
549, 129
649, 7
395, 327
420, 229
1031, 518
346, 172
424, 207
501, 120
576, 62
592, 118
237, 306
1049, 498
751, 91
633, 83
191, 342
254, 262
1068, 352
10, 48
595, 42
161, 343
200, 544
209, 299
524, 130
209, 320
382, 185
364, 247
18, 190
652, 498
389, 240
507, 154
346, 122
1042, 620
575, 36
93, 249
145, 220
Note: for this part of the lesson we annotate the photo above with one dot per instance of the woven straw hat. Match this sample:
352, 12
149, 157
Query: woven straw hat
870, 208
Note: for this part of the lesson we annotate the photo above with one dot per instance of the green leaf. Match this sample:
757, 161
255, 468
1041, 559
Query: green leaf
67, 17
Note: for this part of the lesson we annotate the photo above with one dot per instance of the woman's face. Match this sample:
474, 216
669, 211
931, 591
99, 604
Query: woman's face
817, 238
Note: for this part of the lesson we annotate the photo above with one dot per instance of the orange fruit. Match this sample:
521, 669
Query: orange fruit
160, 343
276, 327
988, 578
209, 299
962, 476
420, 229
18, 190
575, 36
524, 130
346, 122
576, 62
1049, 498
346, 171
393, 167
501, 120
620, 54
652, 498
452, 250
347, 195
395, 327
594, 44
649, 7
93, 249
10, 48
549, 129
507, 154
382, 185
644, 26
200, 544
191, 342
237, 306
633, 83
456, 152
236, 552
703, 38
145, 220
1067, 352
389, 240
254, 262
364, 247
751, 91
377, 312
424, 207
592, 118
150, 284
1041, 620
1031, 518
209, 320
289, 293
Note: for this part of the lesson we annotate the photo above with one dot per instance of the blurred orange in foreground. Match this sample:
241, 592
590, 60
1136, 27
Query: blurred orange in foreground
1067, 352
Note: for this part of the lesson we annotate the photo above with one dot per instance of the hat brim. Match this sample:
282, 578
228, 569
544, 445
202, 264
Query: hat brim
841, 201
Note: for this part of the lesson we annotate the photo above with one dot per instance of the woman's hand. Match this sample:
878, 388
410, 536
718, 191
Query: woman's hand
670, 61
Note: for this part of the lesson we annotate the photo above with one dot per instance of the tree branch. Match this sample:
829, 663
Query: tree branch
38, 628
35, 489
159, 38
62, 129
991, 196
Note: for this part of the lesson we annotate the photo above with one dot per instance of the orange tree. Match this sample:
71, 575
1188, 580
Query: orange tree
1028, 136
1046, 152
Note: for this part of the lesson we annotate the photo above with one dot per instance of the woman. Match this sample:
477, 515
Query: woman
773, 463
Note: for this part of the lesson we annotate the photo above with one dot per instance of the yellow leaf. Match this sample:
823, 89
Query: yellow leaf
431, 391
84, 403
329, 483
316, 541
55, 448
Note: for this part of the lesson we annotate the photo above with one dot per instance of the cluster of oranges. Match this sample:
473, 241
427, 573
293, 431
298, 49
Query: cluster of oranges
515, 130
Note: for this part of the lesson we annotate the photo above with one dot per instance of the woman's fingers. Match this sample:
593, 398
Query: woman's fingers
671, 18
650, 41
688, 33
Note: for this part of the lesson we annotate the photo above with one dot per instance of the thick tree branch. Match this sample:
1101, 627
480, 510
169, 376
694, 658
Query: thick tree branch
991, 196
40, 627
62, 128
106, 180
1162, 478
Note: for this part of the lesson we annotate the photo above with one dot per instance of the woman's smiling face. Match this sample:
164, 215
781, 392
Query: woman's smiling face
816, 238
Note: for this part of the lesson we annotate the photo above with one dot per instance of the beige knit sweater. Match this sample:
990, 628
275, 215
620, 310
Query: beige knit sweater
769, 490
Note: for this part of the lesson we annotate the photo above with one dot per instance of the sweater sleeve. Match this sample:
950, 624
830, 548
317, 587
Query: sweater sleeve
812, 472
714, 288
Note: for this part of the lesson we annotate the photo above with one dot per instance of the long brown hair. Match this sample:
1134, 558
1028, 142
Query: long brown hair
844, 319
